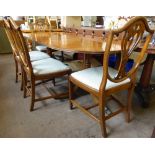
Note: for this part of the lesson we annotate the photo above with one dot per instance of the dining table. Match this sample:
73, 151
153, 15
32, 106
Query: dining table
89, 46
71, 42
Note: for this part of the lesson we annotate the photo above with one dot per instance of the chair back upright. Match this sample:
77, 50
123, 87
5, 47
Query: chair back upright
11, 39
21, 45
132, 35
41, 24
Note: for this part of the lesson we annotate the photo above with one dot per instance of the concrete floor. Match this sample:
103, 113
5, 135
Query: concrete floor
52, 118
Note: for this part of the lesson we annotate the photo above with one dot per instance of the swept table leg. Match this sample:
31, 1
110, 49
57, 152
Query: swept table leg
144, 87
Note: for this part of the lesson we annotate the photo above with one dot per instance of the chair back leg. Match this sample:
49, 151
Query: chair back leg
70, 94
129, 102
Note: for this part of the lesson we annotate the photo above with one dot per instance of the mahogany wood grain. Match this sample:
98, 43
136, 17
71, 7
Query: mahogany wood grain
71, 42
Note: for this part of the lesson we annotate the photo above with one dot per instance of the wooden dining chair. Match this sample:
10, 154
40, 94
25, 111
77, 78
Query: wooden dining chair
88, 32
40, 24
41, 70
53, 23
81, 31
34, 55
102, 82
67, 29
6, 27
47, 23
73, 30
100, 33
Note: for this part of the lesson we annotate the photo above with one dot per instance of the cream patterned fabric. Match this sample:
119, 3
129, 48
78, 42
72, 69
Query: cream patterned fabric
41, 48
48, 66
92, 77
37, 55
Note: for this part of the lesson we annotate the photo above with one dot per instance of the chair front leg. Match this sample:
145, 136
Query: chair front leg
24, 77
22, 81
102, 116
70, 94
32, 94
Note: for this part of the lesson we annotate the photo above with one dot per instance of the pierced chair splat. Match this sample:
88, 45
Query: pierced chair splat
102, 82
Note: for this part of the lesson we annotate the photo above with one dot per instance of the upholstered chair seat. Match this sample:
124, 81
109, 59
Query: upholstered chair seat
41, 47
48, 66
92, 78
37, 55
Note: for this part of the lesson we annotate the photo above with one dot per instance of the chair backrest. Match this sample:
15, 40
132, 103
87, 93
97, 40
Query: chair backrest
132, 35
80, 31
20, 44
73, 30
7, 28
48, 21
101, 33
70, 30
67, 29
88, 32
41, 24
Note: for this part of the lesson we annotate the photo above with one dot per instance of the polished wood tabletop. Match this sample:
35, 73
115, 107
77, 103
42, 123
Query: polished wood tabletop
150, 49
71, 42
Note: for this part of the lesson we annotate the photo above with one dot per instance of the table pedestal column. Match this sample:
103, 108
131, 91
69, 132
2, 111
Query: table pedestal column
87, 59
144, 87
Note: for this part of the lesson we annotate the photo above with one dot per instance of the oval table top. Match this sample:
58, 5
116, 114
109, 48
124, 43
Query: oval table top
71, 42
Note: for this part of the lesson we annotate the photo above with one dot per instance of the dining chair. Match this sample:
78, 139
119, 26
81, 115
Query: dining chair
74, 30
43, 48
40, 24
51, 22
41, 70
100, 33
34, 55
67, 29
80, 31
49, 26
102, 82
88, 32
6, 27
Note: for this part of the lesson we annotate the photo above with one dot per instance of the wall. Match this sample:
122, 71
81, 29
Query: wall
71, 21
5, 46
